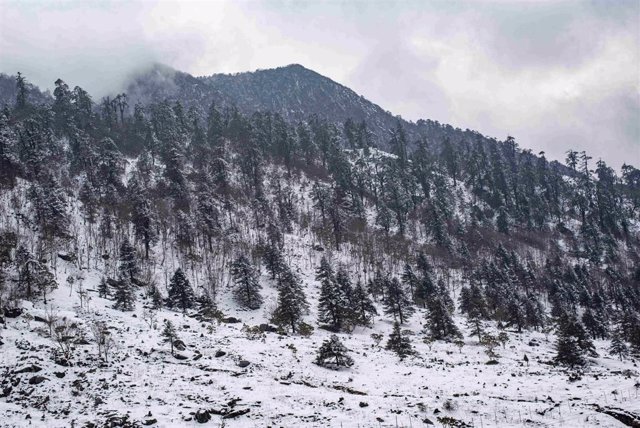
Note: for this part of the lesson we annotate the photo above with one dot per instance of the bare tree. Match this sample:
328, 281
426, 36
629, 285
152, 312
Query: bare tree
103, 338
65, 334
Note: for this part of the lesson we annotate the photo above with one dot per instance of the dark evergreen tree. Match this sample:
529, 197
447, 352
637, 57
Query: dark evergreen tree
21, 86
409, 279
128, 265
181, 294
396, 302
363, 310
439, 323
103, 288
333, 354
399, 342
124, 296
292, 302
247, 291
572, 342
273, 260
618, 346
169, 334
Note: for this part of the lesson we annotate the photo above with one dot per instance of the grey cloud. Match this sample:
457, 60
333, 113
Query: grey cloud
554, 74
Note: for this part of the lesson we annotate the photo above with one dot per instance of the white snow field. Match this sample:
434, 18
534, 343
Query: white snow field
281, 387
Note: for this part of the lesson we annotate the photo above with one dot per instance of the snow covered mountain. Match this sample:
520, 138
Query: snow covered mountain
293, 91
166, 262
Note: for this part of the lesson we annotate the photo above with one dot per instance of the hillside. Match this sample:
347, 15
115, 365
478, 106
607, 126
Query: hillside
311, 279
293, 91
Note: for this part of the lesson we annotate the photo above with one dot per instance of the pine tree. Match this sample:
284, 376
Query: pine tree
292, 302
399, 342
568, 351
572, 342
396, 302
10, 167
169, 334
410, 280
181, 294
128, 261
247, 291
273, 260
440, 324
124, 295
156, 297
362, 308
502, 222
333, 354
141, 215
425, 287
103, 288
330, 305
618, 346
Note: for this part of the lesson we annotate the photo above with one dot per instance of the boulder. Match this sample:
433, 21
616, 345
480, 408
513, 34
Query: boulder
13, 312
243, 363
36, 380
267, 328
67, 257
202, 416
219, 354
29, 369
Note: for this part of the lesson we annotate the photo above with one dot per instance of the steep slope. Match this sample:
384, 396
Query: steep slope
295, 92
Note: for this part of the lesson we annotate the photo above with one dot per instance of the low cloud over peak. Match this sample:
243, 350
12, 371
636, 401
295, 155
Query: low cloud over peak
556, 75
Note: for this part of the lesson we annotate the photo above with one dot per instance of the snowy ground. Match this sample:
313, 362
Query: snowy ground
281, 386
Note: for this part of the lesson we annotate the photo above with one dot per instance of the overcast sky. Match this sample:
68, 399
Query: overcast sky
555, 75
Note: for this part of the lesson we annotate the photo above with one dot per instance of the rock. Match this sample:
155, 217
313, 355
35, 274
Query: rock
29, 369
427, 421
236, 413
436, 411
180, 357
363, 404
202, 416
35, 380
151, 421
318, 248
492, 362
231, 320
219, 354
267, 328
179, 345
39, 319
6, 391
13, 312
68, 257
197, 357
243, 363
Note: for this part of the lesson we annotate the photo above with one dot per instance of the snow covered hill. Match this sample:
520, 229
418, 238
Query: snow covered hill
168, 266
231, 373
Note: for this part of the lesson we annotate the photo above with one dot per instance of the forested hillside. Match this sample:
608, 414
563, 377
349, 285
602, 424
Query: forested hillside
411, 243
